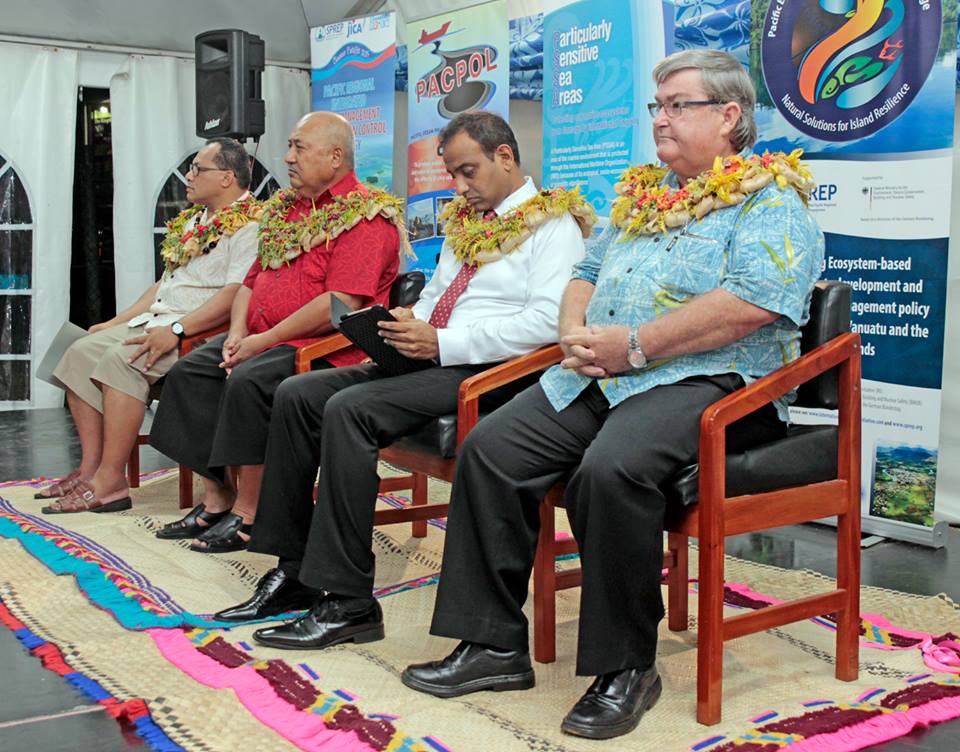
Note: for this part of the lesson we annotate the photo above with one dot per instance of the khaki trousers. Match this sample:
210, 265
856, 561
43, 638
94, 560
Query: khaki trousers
101, 358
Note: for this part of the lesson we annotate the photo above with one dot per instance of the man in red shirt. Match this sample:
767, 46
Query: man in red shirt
217, 401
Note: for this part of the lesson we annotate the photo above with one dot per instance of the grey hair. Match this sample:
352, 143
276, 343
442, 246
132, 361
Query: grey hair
724, 79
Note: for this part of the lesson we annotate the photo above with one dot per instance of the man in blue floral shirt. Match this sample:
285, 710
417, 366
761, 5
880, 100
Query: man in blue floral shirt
700, 284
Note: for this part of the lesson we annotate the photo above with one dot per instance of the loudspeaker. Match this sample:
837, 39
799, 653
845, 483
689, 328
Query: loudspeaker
228, 67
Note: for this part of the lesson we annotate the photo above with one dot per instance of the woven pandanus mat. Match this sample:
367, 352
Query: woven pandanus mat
129, 611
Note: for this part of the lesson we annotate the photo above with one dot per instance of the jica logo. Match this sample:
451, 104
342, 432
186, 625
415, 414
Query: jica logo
839, 70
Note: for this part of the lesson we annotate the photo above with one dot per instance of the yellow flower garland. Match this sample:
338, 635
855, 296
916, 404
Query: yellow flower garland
646, 207
282, 241
477, 241
180, 245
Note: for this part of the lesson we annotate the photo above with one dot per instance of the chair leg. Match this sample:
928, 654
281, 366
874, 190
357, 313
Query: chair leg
186, 487
133, 466
677, 579
419, 498
545, 589
710, 632
848, 579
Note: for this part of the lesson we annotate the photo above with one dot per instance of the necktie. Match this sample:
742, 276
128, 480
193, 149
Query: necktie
444, 307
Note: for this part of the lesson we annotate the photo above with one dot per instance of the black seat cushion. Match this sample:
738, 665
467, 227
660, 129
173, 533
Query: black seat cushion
808, 454
439, 436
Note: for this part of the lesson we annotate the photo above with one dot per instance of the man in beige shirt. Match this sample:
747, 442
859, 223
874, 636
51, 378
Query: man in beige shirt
207, 250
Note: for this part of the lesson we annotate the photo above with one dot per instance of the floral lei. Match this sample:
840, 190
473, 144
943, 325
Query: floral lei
478, 241
181, 245
645, 207
282, 241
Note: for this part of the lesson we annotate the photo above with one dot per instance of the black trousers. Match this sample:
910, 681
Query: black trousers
207, 421
337, 420
618, 459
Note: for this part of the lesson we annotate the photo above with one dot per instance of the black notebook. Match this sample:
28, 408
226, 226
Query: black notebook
361, 328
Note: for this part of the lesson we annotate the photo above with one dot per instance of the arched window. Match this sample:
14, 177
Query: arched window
16, 287
172, 200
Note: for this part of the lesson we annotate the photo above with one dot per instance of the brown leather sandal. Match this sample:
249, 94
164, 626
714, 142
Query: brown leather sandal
59, 488
83, 499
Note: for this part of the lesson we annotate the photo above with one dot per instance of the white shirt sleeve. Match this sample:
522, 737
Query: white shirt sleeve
243, 251
555, 248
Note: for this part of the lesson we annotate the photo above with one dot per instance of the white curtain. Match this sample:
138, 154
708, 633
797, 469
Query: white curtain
286, 96
38, 89
151, 101
153, 104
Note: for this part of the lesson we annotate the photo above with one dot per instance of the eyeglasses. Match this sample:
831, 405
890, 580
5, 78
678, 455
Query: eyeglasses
675, 109
196, 169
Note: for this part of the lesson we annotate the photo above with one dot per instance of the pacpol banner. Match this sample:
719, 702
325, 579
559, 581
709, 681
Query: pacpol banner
354, 66
457, 61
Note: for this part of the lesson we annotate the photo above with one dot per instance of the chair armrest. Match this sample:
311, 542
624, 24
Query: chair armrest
842, 351
471, 389
189, 344
306, 354
764, 390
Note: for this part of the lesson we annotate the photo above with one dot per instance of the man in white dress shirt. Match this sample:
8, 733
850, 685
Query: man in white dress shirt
469, 317
108, 373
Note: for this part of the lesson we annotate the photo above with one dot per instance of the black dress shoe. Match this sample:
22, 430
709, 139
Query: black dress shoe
189, 527
471, 668
276, 593
331, 621
614, 703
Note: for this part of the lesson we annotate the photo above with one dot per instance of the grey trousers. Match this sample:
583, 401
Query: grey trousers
336, 421
616, 460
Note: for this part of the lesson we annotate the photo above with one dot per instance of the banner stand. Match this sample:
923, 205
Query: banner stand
934, 537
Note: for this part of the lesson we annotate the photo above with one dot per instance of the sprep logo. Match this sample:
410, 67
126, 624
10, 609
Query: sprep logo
842, 69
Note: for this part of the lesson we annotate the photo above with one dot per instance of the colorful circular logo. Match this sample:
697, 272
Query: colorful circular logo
839, 70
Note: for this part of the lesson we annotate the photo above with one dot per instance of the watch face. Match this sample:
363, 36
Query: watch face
177, 328
636, 359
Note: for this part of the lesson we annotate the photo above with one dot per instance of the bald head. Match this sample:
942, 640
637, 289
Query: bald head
320, 153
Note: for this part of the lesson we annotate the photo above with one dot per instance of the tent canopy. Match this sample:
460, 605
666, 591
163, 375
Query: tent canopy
172, 25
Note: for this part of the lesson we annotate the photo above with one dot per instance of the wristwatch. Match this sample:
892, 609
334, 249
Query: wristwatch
635, 356
177, 328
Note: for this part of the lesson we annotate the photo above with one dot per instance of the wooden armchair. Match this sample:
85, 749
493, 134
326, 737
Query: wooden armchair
811, 474
411, 453
431, 452
186, 346
405, 291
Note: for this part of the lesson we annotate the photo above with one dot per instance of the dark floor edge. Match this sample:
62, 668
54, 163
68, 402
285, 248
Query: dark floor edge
134, 712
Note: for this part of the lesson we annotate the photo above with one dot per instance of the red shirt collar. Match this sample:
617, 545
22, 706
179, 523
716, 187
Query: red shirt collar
343, 186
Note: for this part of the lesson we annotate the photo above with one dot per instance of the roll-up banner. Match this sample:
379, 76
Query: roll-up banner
457, 61
353, 69
866, 88
596, 83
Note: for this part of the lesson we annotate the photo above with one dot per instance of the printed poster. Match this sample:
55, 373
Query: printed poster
354, 65
598, 58
457, 61
867, 90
